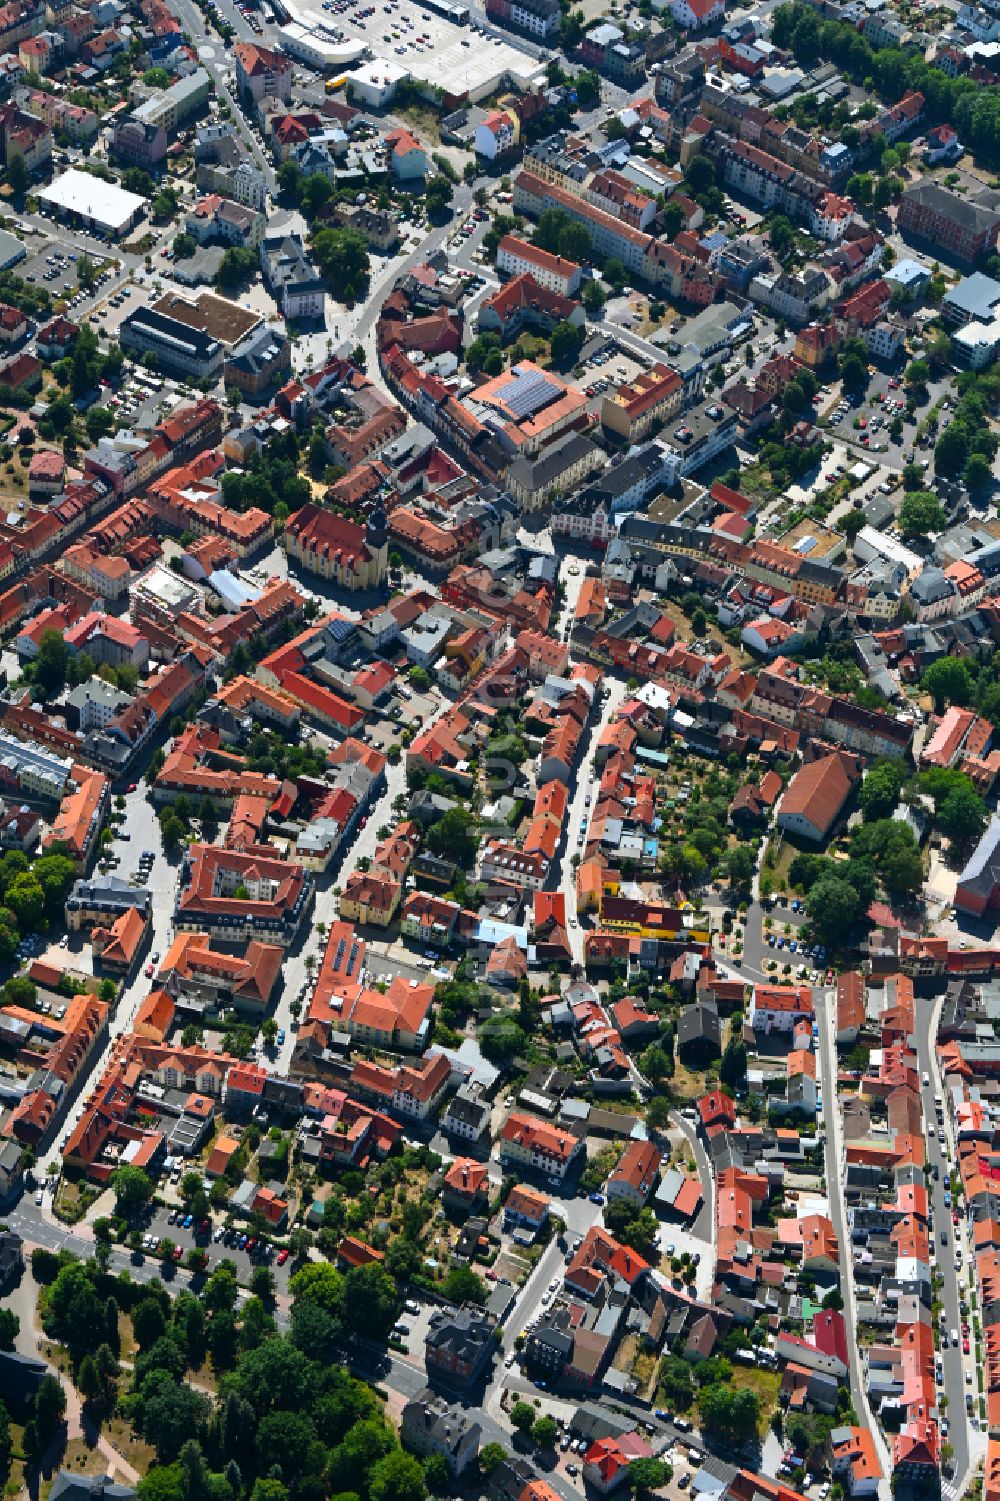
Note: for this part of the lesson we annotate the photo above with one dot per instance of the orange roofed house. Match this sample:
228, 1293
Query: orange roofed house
526, 1141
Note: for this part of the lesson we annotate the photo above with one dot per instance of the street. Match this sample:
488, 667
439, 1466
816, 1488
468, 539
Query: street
954, 1263
826, 1008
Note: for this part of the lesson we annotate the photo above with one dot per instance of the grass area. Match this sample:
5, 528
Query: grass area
129, 1445
127, 1346
766, 1384
778, 873
644, 1368
686, 1085
57, 1356
15, 1480
72, 1199
682, 625
423, 118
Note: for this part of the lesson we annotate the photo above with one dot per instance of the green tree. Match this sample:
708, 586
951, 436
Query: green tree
544, 1432
733, 1067
948, 680
919, 513
962, 814
951, 451
522, 1415
645, 1475
880, 789
574, 242
49, 1409
133, 1189
10, 1326
490, 1456
51, 662
462, 1285
438, 195
6, 1445
565, 342
978, 474
371, 1301
729, 1414
676, 1382
397, 1477
834, 906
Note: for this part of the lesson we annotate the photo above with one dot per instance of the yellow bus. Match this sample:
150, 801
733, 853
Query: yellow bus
333, 84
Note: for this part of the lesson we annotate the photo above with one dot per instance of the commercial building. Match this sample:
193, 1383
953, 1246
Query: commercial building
170, 108
526, 1141
179, 349
261, 362
460, 1344
432, 1425
536, 18
83, 199
29, 769
262, 73
352, 556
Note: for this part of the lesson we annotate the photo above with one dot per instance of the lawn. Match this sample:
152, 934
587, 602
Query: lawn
777, 874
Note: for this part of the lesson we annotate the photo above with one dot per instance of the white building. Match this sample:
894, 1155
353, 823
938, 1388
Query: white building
550, 271
871, 543
374, 84
84, 199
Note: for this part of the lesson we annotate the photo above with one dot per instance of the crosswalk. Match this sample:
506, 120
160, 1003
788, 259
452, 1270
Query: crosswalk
950, 1491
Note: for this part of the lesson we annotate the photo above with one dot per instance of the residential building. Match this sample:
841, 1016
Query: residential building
459, 1345
526, 1141
633, 1179
432, 1425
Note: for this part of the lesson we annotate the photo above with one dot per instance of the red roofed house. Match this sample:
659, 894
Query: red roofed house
466, 1186
634, 1177
695, 15
606, 1462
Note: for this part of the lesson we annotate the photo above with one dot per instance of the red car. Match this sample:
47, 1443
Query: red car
250, 1244
178, 1252
149, 971
282, 1255
965, 1347
132, 786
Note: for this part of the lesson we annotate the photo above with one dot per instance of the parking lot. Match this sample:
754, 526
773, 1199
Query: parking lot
471, 57
51, 264
608, 370
185, 1239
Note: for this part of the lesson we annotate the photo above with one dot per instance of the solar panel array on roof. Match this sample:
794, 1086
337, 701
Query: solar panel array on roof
528, 392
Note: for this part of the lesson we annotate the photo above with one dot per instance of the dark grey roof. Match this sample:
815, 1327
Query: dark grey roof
977, 214
982, 872
70, 1487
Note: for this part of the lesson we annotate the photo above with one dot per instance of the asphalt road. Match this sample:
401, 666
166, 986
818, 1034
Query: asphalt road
826, 1017
965, 1438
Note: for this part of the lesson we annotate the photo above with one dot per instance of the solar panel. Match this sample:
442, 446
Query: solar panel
528, 392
